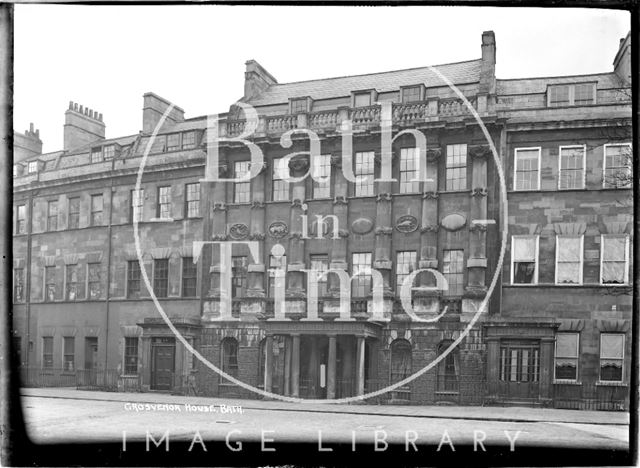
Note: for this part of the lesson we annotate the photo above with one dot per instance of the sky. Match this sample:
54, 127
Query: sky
107, 57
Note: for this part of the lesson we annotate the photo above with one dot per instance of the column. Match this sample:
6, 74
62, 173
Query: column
331, 368
295, 366
428, 301
287, 365
296, 254
360, 349
347, 364
338, 259
477, 261
255, 272
268, 363
546, 367
384, 228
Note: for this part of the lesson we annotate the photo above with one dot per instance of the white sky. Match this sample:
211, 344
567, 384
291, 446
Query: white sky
107, 57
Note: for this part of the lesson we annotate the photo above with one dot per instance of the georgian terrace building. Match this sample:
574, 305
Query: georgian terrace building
555, 329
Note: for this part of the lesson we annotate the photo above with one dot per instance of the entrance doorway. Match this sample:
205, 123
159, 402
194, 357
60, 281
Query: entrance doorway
91, 360
163, 351
519, 369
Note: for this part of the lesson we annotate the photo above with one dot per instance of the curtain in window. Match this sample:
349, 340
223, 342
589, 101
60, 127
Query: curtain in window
524, 249
613, 259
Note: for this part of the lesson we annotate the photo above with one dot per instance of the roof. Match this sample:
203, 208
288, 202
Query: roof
539, 85
458, 73
122, 141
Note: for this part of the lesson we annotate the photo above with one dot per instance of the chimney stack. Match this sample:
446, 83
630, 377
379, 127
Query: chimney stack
81, 126
153, 108
256, 79
488, 66
622, 60
26, 145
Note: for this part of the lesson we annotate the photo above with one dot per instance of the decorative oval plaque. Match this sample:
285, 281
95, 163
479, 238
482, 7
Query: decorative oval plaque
407, 223
238, 231
453, 222
362, 226
278, 229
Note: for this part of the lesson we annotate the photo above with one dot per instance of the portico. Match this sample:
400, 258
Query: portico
322, 359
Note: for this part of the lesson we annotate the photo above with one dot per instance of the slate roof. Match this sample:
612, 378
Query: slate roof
539, 85
458, 73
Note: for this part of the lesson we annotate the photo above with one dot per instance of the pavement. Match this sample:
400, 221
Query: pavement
469, 413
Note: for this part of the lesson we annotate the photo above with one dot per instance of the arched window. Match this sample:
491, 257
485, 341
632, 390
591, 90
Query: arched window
401, 367
448, 368
229, 356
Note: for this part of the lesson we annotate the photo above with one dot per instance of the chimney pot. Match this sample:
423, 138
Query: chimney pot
70, 105
100, 117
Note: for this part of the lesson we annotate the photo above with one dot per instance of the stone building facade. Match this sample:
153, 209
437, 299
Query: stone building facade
555, 327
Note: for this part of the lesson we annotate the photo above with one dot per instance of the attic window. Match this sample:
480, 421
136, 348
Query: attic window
109, 152
362, 99
32, 168
577, 94
96, 155
299, 105
173, 142
188, 140
411, 94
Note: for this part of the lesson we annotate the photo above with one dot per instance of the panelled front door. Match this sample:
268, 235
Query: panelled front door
91, 360
520, 369
162, 363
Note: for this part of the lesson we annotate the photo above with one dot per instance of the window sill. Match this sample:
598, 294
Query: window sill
129, 376
567, 382
443, 392
600, 383
161, 220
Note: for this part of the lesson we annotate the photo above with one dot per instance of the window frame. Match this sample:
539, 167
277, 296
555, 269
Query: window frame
626, 259
604, 165
73, 214
96, 156
109, 152
243, 276
178, 146
403, 90
293, 108
129, 291
359, 184
355, 276
19, 230
465, 168
136, 200
355, 95
275, 177
16, 299
415, 172
185, 143
160, 203
572, 93
225, 363
315, 185
537, 259
515, 168
89, 283
69, 269
622, 358
412, 267
183, 278
34, 165
581, 269
556, 357
584, 166
127, 354
47, 340
161, 284
66, 355
237, 186
49, 268
52, 217
323, 284
188, 201
94, 212
460, 273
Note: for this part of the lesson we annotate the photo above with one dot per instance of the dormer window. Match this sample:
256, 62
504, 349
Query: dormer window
109, 152
173, 142
299, 105
188, 140
362, 99
411, 93
576, 94
32, 168
96, 155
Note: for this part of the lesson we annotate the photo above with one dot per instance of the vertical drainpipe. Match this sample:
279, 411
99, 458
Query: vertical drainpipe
108, 289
